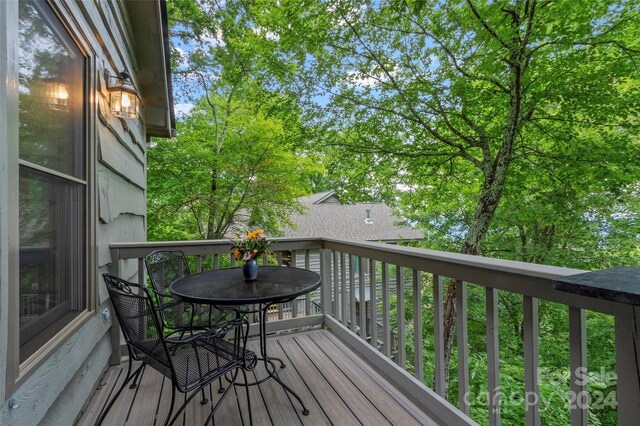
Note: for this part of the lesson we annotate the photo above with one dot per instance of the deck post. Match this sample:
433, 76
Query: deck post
325, 277
114, 331
578, 365
627, 326
531, 386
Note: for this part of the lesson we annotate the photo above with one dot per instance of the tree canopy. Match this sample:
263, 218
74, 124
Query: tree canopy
223, 171
503, 128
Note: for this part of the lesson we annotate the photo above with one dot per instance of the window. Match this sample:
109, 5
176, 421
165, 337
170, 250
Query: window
52, 193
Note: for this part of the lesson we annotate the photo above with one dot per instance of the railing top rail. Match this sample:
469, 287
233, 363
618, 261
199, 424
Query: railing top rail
133, 250
528, 279
414, 253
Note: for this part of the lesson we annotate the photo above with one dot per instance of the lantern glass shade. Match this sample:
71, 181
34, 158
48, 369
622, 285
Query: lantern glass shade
124, 102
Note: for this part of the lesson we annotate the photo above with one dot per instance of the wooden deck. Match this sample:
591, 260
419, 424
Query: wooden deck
338, 388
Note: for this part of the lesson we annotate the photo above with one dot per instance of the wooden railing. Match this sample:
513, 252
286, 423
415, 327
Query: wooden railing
360, 280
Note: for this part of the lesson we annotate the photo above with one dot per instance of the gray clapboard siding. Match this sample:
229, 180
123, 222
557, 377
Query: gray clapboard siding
117, 196
72, 366
118, 158
58, 386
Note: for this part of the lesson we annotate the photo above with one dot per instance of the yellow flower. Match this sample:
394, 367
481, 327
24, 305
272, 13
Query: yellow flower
254, 234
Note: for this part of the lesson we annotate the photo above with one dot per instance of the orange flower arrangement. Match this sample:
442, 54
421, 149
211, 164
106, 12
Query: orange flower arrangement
250, 246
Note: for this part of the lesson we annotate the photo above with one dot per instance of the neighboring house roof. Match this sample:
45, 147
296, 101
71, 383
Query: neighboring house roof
324, 216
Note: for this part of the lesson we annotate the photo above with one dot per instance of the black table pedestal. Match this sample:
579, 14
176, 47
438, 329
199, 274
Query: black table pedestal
269, 362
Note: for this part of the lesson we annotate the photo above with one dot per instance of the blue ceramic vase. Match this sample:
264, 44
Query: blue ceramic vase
250, 270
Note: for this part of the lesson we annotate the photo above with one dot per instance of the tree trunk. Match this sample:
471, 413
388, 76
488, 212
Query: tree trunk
495, 174
212, 214
485, 211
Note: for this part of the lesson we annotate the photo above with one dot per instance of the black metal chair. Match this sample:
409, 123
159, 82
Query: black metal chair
178, 317
191, 363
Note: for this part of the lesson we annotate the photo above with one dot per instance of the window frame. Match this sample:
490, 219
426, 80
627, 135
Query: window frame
17, 372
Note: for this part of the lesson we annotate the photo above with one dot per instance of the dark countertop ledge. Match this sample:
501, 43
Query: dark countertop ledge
620, 284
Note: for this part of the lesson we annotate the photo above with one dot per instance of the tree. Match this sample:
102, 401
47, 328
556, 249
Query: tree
502, 122
454, 94
233, 169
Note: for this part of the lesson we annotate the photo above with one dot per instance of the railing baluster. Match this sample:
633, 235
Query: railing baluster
343, 291
141, 274
386, 318
336, 290
438, 336
265, 259
280, 305
294, 302
233, 260
418, 358
352, 295
307, 297
463, 346
578, 365
373, 303
401, 356
363, 299
531, 386
142, 325
216, 261
493, 356
199, 263
325, 272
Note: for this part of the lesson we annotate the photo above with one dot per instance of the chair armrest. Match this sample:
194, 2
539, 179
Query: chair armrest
216, 332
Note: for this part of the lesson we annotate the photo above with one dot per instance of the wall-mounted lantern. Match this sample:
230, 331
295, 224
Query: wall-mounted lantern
123, 100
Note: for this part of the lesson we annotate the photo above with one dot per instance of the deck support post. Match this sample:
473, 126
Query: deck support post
627, 325
114, 331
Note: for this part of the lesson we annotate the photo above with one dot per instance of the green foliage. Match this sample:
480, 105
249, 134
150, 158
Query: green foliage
201, 184
512, 122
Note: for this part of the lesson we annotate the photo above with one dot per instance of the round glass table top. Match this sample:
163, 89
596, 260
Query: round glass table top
228, 287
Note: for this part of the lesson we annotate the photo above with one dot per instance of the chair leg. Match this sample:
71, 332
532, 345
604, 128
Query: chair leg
224, 394
244, 374
173, 400
124, 383
138, 376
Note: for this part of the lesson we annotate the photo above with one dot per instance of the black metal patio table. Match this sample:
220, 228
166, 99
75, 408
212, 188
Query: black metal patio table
227, 289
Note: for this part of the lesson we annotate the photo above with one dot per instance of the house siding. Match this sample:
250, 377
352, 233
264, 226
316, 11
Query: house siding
58, 388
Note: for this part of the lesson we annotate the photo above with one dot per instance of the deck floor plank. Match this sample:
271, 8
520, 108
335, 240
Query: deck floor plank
337, 387
353, 397
365, 377
332, 404
292, 378
107, 386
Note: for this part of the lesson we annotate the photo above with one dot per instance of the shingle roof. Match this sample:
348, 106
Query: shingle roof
324, 217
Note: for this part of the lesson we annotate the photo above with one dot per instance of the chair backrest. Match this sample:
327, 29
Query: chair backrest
164, 267
139, 322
